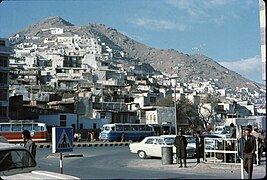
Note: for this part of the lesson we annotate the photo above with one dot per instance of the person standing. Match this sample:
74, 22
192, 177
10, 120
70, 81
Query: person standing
233, 143
28, 142
122, 137
232, 131
199, 147
180, 143
249, 146
88, 136
260, 138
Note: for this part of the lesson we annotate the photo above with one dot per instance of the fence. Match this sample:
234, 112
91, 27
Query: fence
227, 150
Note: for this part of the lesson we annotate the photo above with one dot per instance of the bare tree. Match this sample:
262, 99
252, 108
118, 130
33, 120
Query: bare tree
207, 109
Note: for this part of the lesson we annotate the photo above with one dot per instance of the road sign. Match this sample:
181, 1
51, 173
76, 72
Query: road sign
62, 139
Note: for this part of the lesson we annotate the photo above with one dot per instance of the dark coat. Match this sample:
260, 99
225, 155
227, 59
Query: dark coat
232, 132
251, 142
180, 143
200, 146
30, 145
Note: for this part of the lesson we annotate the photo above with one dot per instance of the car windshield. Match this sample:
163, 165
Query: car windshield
191, 139
169, 140
13, 159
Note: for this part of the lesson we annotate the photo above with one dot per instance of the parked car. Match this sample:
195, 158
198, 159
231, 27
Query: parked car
191, 143
212, 142
219, 129
151, 147
16, 162
3, 139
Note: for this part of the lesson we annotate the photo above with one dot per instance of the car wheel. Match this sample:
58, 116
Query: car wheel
142, 154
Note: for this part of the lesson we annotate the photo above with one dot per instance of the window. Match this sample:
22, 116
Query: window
160, 141
134, 127
94, 126
27, 127
106, 128
63, 117
5, 128
3, 77
148, 128
126, 127
149, 141
102, 115
2, 43
63, 120
12, 159
35, 127
3, 94
3, 111
119, 127
3, 61
16, 127
81, 126
142, 127
169, 141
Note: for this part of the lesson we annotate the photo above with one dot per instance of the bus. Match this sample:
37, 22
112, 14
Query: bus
125, 132
163, 129
12, 131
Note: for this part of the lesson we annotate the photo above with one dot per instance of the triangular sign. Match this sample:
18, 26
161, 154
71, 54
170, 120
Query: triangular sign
64, 141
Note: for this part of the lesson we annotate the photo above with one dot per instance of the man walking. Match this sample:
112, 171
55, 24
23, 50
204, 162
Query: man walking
180, 143
28, 142
249, 146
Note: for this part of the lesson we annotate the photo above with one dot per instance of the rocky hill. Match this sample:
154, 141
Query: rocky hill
188, 67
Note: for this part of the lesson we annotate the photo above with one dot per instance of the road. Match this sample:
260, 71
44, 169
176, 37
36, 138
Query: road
117, 162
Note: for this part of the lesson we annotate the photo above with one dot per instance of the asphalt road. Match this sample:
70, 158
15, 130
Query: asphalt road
118, 163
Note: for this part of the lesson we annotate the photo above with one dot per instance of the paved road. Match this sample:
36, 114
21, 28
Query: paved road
117, 163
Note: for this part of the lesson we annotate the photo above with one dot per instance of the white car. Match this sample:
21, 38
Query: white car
151, 147
16, 162
191, 143
3, 139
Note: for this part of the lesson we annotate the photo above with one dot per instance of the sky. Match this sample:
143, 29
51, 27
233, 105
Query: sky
228, 31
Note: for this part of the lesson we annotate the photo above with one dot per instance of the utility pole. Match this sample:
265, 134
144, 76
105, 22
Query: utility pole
174, 83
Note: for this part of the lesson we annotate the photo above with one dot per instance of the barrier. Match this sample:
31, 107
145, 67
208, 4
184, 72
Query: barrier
225, 150
80, 145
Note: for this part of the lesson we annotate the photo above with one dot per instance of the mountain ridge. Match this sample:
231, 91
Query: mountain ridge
187, 67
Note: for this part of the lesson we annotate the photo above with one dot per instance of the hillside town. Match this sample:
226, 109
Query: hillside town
79, 81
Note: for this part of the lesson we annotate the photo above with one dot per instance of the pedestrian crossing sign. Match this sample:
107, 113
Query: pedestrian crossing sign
62, 139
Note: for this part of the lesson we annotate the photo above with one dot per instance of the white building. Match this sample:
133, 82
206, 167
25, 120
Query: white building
5, 52
159, 115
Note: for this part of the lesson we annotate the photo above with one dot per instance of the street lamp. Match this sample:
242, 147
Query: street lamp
174, 83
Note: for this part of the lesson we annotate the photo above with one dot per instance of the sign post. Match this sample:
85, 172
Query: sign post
62, 141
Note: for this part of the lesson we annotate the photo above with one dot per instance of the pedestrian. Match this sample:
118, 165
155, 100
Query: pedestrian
92, 135
260, 138
28, 142
180, 143
88, 136
249, 146
233, 143
122, 137
199, 147
232, 131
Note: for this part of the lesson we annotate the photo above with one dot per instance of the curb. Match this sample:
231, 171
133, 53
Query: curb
56, 155
87, 145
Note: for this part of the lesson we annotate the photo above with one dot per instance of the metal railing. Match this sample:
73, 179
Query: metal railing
227, 149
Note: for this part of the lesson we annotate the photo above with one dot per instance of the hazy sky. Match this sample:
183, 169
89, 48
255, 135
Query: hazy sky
224, 30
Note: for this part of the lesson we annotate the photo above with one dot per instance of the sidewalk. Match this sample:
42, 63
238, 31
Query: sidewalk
203, 169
